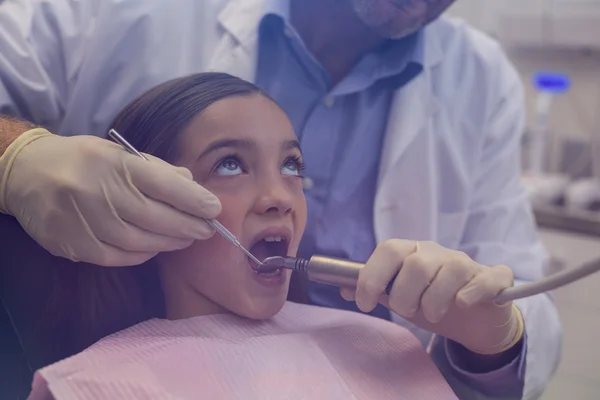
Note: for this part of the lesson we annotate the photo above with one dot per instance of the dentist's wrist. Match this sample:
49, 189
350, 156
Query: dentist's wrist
519, 330
8, 157
514, 329
482, 362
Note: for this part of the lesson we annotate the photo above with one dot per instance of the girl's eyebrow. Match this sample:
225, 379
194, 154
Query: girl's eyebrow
292, 144
227, 143
244, 144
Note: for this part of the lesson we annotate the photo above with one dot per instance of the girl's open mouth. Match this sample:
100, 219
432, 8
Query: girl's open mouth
269, 246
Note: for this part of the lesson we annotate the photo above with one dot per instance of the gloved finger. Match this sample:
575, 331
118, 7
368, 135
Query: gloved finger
105, 255
417, 273
379, 270
113, 257
186, 173
127, 237
485, 286
165, 183
348, 293
456, 272
159, 218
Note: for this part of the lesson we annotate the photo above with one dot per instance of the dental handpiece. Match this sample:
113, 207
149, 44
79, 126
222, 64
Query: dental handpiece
344, 273
217, 226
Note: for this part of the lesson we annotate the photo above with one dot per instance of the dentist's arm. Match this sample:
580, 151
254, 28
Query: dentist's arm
82, 198
501, 229
40, 53
10, 130
86, 199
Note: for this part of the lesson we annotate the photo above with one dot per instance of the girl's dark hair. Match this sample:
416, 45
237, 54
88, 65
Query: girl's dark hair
153, 122
90, 302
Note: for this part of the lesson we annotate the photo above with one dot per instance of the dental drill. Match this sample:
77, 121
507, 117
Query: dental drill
339, 272
344, 273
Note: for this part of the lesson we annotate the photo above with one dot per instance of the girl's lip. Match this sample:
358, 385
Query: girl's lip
283, 231
271, 280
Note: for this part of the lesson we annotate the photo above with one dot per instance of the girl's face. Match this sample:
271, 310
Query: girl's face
244, 150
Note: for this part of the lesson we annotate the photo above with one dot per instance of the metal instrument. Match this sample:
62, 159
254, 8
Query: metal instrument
230, 237
338, 272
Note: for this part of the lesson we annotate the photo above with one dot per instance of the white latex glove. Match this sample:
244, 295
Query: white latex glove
442, 291
87, 199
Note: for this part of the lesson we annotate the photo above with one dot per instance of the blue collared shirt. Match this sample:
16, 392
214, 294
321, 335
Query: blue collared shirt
341, 128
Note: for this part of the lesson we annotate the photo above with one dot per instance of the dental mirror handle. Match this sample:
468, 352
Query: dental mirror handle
339, 272
217, 226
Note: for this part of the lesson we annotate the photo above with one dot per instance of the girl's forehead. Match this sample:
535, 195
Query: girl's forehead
249, 117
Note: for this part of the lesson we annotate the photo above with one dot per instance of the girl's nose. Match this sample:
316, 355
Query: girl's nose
275, 196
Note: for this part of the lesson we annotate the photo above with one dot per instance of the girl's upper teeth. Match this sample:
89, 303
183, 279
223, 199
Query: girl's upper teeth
273, 239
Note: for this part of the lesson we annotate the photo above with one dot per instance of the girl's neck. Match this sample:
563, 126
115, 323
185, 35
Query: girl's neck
182, 301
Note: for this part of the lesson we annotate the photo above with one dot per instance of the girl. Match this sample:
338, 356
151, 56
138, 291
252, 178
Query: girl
214, 329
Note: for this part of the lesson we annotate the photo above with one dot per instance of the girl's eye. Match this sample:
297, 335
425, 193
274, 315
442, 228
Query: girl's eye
229, 167
292, 166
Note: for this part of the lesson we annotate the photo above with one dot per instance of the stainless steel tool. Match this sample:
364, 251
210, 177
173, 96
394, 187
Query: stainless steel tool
212, 222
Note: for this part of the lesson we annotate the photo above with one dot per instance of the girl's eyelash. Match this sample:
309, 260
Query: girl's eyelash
298, 161
233, 156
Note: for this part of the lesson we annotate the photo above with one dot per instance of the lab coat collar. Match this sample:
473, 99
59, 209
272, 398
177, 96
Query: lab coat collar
237, 51
241, 18
429, 47
415, 104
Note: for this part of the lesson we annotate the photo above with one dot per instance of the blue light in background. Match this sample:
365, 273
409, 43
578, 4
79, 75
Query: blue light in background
551, 82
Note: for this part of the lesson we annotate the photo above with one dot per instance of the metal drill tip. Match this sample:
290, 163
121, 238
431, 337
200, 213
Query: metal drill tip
270, 264
276, 261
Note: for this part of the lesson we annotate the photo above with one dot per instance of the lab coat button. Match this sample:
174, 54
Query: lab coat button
328, 101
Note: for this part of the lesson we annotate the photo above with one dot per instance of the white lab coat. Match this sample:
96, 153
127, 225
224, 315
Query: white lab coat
449, 168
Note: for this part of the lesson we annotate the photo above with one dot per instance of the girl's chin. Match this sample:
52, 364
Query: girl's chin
262, 309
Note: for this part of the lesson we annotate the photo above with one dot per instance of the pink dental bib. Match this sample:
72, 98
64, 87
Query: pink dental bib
303, 352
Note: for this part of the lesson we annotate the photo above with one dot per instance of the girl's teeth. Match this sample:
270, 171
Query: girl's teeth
276, 272
273, 239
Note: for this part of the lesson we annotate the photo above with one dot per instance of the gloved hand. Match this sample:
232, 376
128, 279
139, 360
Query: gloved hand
442, 291
87, 199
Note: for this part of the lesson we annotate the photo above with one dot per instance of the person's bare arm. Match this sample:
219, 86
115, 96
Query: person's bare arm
10, 129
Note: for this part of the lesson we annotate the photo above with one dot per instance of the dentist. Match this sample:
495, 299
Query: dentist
410, 125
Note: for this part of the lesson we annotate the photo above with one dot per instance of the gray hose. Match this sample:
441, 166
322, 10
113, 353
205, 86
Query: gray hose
551, 282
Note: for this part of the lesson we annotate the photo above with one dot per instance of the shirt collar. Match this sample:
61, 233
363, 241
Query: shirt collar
411, 49
242, 19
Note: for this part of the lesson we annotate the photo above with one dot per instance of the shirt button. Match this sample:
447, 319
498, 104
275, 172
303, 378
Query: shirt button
307, 184
328, 101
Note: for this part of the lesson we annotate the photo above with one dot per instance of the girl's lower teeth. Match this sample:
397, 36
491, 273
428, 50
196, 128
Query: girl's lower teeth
267, 274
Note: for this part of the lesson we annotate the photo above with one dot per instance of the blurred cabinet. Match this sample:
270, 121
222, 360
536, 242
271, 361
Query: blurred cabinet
537, 23
575, 23
523, 23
